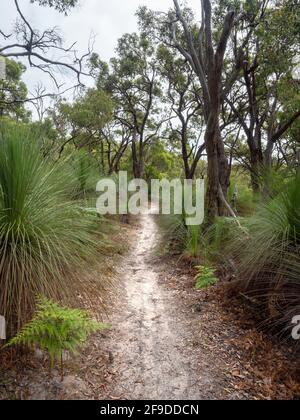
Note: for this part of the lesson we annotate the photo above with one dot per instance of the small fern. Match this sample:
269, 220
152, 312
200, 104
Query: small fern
56, 329
205, 277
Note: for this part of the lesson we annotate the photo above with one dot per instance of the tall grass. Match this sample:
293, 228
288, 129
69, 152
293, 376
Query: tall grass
44, 235
174, 233
269, 259
193, 241
216, 240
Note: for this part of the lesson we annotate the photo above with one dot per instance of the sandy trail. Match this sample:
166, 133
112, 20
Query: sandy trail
166, 342
150, 353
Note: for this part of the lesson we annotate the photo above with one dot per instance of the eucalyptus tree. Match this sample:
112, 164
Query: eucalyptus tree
182, 96
133, 81
204, 47
265, 100
82, 122
216, 53
115, 141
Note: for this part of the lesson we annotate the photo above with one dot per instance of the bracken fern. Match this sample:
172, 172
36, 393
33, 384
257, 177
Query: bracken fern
56, 329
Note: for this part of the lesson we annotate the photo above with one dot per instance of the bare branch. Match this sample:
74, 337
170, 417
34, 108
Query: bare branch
38, 48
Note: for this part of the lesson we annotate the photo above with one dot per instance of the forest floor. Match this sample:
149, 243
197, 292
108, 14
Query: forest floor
166, 341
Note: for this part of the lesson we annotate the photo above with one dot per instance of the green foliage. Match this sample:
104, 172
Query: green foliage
13, 92
61, 5
274, 229
86, 118
205, 277
241, 195
85, 173
216, 239
282, 24
212, 244
44, 235
89, 112
47, 135
268, 260
132, 81
160, 163
56, 329
83, 164
275, 181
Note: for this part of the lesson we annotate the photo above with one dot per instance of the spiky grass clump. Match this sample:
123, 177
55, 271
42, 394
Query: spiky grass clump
209, 244
44, 236
217, 238
269, 260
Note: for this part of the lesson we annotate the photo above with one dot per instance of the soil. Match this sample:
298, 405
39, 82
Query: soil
151, 342
166, 341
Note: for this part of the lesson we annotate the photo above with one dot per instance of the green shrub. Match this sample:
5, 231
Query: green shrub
44, 235
56, 329
205, 277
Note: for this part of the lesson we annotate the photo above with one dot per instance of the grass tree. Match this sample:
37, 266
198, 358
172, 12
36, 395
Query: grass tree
268, 259
44, 235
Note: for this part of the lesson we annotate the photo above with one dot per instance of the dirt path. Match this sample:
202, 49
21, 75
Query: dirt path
166, 341
150, 344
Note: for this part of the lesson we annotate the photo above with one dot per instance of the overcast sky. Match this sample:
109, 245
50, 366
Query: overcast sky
107, 19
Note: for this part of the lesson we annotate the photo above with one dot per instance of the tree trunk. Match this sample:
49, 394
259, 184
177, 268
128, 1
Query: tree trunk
138, 170
212, 180
185, 158
224, 167
208, 64
268, 154
102, 157
218, 167
256, 161
137, 162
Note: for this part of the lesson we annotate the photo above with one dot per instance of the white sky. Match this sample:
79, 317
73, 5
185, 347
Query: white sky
108, 19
